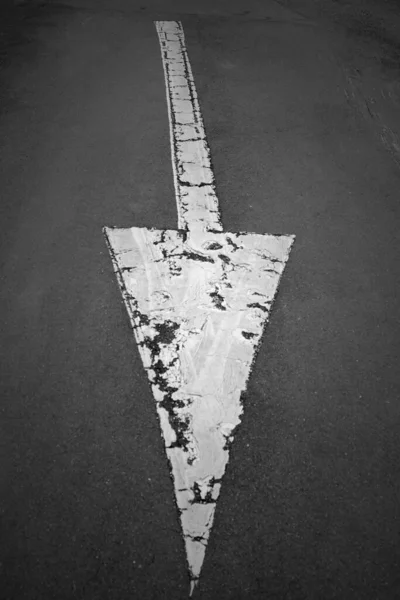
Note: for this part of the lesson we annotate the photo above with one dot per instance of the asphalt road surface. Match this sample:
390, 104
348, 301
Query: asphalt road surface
301, 106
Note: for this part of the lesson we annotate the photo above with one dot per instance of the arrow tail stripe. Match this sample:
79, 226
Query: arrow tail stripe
196, 197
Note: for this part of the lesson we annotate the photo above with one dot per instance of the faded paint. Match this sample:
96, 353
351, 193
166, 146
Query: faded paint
198, 300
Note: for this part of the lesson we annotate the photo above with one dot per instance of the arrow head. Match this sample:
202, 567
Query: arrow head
198, 302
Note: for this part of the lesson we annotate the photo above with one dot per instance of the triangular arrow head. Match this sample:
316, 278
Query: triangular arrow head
198, 302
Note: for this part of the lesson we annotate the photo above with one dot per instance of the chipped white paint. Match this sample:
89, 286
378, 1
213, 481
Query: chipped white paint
198, 300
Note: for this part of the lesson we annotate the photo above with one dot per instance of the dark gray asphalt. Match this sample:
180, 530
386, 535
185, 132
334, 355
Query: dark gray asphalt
302, 115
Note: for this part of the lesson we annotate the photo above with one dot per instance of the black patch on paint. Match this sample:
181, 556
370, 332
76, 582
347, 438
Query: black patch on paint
224, 258
196, 256
248, 335
214, 246
174, 268
198, 538
257, 305
140, 318
232, 243
180, 424
183, 234
166, 331
160, 368
198, 498
165, 335
229, 439
217, 300
162, 238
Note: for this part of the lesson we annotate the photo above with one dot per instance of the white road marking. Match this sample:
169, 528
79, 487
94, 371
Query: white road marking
198, 300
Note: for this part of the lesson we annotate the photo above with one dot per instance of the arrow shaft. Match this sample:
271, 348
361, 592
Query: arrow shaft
196, 198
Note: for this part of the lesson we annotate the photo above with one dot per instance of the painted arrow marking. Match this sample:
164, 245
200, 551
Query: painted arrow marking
198, 300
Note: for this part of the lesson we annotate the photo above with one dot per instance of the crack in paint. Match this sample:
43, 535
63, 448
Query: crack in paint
198, 538
191, 139
190, 255
274, 271
258, 305
188, 184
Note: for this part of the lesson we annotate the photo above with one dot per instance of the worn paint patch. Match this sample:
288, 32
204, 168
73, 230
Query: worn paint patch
197, 351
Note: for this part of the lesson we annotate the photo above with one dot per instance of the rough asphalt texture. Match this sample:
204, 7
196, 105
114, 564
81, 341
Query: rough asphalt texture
301, 108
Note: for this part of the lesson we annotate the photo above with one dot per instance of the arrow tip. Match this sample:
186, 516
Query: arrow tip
198, 302
193, 585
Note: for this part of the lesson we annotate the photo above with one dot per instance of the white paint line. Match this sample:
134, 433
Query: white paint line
196, 198
198, 300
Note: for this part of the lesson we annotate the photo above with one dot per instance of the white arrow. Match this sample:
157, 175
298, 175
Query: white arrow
198, 300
